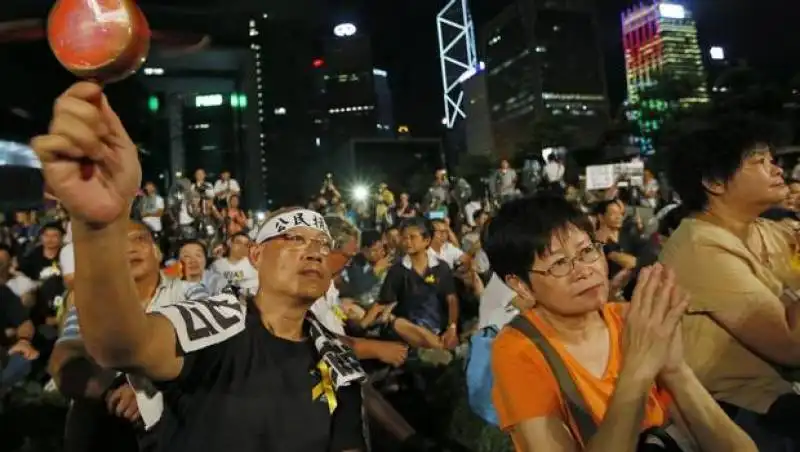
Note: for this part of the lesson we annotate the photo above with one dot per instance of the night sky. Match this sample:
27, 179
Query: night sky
765, 33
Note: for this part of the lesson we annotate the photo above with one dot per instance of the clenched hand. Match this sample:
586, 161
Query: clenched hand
85, 128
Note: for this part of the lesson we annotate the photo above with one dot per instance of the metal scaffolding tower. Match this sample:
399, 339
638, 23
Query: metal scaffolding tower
457, 56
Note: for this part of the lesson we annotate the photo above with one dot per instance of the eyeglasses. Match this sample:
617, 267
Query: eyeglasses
565, 265
296, 241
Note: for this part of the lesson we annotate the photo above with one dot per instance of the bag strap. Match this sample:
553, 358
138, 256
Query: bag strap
576, 405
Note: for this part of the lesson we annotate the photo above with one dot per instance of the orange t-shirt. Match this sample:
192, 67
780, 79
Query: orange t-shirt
525, 388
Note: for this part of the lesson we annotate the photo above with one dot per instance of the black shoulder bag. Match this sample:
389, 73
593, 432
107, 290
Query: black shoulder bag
653, 439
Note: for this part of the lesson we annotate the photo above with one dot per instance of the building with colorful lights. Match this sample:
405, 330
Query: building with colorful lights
660, 40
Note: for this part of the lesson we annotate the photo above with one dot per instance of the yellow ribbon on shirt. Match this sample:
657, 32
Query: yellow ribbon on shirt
325, 386
339, 313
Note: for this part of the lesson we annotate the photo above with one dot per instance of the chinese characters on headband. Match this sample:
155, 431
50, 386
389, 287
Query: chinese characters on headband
289, 220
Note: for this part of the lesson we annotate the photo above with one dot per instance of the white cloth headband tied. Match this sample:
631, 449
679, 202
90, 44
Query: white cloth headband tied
281, 224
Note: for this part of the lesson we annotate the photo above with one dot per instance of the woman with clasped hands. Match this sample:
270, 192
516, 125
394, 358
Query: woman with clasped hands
626, 360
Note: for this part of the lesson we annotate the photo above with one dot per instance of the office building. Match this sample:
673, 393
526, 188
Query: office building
357, 96
543, 60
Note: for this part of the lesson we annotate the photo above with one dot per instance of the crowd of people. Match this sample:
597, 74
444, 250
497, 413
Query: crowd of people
627, 319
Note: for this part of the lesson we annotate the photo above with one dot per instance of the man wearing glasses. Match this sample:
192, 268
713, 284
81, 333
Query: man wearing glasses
265, 376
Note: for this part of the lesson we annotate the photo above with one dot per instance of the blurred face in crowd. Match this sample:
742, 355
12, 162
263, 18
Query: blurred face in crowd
504, 164
200, 175
150, 188
339, 257
22, 217
51, 239
375, 252
758, 183
414, 240
233, 202
240, 246
480, 220
393, 238
793, 200
143, 254
440, 234
614, 216
295, 264
225, 175
193, 259
570, 278
403, 199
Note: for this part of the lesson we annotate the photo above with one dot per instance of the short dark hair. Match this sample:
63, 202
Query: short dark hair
602, 207
712, 150
194, 242
523, 229
370, 237
239, 234
424, 225
54, 225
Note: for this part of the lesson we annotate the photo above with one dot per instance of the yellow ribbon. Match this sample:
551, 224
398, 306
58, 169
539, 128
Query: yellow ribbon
430, 279
339, 312
325, 386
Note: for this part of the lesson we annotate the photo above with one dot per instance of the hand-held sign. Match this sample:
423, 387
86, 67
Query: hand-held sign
99, 40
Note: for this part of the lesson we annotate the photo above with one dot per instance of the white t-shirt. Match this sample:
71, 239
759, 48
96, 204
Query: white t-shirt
449, 253
327, 310
155, 222
66, 259
231, 186
241, 274
495, 307
21, 285
554, 172
183, 216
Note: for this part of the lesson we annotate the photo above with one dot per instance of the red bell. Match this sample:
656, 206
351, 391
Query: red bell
100, 40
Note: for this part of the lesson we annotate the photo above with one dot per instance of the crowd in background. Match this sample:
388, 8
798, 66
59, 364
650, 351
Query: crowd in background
419, 284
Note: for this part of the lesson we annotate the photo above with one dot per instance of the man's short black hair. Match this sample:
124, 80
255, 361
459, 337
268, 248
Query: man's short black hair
712, 150
54, 225
239, 234
370, 237
424, 225
194, 242
523, 229
601, 207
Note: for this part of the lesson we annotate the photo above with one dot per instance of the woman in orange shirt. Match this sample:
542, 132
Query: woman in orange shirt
626, 360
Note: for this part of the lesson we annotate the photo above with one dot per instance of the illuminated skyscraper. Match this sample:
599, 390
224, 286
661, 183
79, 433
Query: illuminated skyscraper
661, 39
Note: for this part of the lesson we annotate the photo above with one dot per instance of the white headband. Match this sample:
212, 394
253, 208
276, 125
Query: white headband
286, 221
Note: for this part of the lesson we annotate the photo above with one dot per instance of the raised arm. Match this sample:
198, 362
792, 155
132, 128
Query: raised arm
115, 328
86, 134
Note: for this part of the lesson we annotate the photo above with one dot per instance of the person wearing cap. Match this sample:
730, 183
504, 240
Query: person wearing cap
247, 377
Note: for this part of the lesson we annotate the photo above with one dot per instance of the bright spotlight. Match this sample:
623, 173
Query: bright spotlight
261, 216
343, 30
717, 53
360, 193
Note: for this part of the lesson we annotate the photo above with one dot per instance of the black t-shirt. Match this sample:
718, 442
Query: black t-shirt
12, 313
38, 267
256, 392
419, 296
